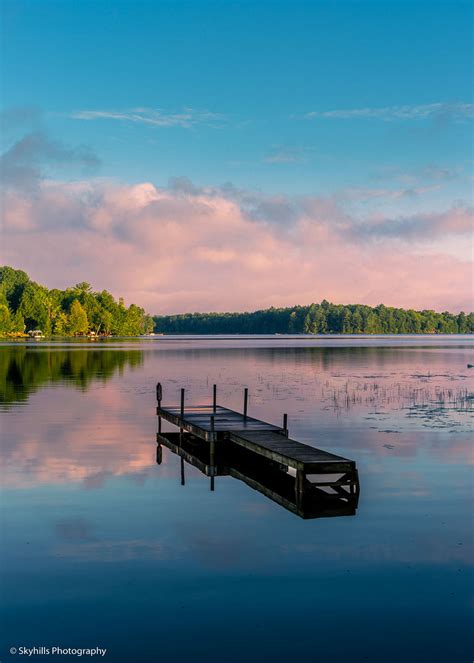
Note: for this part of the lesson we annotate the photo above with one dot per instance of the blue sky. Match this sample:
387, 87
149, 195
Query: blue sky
355, 117
260, 68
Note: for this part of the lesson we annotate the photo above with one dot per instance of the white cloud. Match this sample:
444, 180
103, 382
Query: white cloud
456, 110
285, 155
153, 117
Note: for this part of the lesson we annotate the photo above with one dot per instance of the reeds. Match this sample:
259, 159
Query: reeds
395, 396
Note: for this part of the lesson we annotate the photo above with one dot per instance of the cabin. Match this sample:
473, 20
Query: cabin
36, 333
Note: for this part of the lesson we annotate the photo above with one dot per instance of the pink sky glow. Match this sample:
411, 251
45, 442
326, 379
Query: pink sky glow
181, 249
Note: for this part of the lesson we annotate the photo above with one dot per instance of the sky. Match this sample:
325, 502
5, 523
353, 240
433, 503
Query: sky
196, 156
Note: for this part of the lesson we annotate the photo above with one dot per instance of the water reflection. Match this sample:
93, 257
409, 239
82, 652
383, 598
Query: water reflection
323, 495
95, 535
23, 370
374, 405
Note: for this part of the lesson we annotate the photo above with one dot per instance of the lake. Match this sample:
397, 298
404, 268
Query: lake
103, 547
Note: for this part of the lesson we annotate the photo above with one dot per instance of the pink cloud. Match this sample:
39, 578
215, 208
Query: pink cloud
188, 249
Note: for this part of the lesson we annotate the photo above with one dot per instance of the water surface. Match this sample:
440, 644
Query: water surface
101, 546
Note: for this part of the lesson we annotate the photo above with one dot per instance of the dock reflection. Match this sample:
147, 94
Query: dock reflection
319, 496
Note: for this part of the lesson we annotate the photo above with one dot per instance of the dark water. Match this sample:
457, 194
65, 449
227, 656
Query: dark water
101, 546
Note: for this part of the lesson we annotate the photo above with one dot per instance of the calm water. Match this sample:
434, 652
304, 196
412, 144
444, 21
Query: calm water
101, 546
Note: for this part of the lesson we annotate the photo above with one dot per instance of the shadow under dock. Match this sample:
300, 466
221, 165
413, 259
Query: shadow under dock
322, 495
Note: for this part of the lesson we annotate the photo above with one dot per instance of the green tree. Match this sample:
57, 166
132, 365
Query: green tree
147, 325
470, 323
448, 323
315, 322
462, 323
13, 283
5, 319
82, 288
372, 324
347, 327
430, 322
78, 323
104, 320
61, 324
18, 323
33, 307
357, 322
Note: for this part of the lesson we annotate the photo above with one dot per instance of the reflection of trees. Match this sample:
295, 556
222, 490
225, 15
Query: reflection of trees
23, 370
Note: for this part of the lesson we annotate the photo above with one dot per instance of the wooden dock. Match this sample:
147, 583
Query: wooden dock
220, 441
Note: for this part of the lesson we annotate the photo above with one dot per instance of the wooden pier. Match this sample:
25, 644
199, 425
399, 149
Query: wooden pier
220, 441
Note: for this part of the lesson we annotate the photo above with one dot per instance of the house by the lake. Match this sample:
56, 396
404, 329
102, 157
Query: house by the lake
36, 333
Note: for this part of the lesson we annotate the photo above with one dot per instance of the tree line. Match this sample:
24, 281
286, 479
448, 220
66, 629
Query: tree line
323, 318
26, 306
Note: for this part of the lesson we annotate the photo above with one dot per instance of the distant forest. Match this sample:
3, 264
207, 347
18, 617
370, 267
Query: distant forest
26, 306
323, 318
76, 311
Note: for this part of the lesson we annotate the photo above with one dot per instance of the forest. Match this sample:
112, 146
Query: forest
26, 306
78, 311
323, 318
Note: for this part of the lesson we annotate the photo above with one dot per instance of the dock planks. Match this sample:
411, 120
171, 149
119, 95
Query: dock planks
215, 423
198, 419
290, 452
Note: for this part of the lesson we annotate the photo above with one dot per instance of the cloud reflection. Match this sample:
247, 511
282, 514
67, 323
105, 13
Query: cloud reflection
90, 426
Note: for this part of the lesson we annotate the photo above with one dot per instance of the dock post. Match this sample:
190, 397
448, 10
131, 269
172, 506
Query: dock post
181, 429
214, 397
299, 485
159, 396
299, 488
159, 454
285, 424
246, 400
182, 472
212, 450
